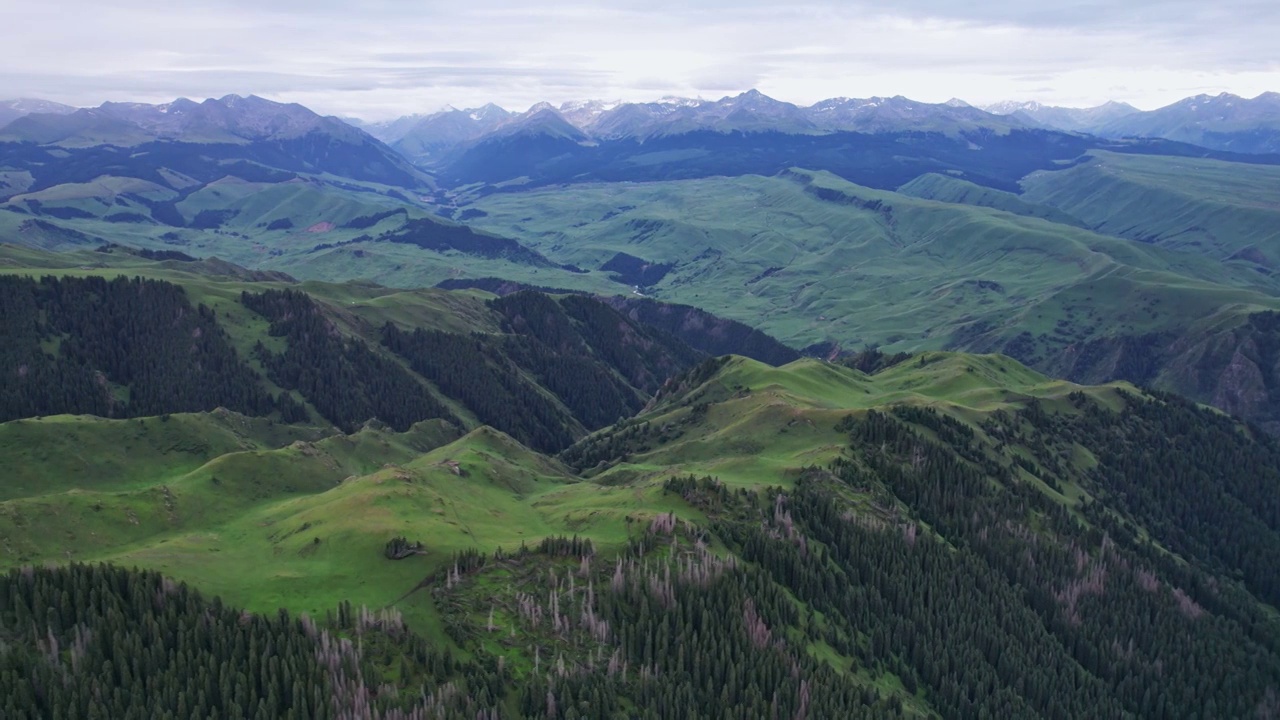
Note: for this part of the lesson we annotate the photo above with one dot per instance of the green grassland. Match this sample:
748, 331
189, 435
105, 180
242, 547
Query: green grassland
765, 425
218, 284
303, 526
808, 257
312, 227
53, 454
1222, 210
944, 188
269, 515
805, 256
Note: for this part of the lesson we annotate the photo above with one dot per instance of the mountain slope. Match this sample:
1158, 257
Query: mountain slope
1221, 122
883, 157
323, 228
949, 536
184, 144
943, 188
898, 114
230, 119
1064, 118
544, 369
243, 179
432, 138
812, 260
806, 254
882, 142
11, 110
1226, 211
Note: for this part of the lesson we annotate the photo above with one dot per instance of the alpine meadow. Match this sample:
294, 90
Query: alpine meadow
323, 402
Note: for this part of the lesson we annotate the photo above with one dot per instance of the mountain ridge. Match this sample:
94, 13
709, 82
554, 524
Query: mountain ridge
229, 119
440, 135
752, 111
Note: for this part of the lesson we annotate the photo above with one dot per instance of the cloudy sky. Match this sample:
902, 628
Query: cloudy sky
381, 58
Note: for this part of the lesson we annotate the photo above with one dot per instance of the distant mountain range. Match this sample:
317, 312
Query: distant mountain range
201, 141
11, 110
436, 139
1219, 122
230, 119
1223, 122
1063, 118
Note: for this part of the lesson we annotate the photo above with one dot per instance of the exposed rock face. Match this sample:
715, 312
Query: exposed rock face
1234, 368
1134, 358
1241, 388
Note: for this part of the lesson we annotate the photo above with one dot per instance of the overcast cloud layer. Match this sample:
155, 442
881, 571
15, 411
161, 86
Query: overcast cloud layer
386, 58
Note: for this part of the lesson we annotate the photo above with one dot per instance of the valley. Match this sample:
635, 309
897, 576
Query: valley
736, 408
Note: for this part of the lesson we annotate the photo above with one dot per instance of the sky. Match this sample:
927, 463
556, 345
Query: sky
379, 59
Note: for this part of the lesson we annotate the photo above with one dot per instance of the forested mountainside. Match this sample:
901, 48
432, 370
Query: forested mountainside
545, 369
120, 348
529, 438
949, 536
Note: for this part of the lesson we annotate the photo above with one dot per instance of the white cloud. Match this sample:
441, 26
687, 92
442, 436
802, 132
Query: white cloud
385, 58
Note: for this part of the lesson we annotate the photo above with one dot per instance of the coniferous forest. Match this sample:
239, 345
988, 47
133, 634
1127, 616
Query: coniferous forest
116, 348
345, 381
1081, 552
920, 573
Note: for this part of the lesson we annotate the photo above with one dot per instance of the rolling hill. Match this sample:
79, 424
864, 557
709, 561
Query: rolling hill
1050, 276
1226, 211
292, 428
983, 239
244, 179
857, 538
316, 226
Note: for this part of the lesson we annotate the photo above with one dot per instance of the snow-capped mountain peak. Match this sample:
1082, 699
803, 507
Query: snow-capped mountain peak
1009, 107
592, 106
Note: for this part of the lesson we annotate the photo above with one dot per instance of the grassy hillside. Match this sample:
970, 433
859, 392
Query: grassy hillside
752, 424
810, 258
994, 497
311, 226
1225, 211
200, 496
53, 454
301, 525
944, 188
945, 264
